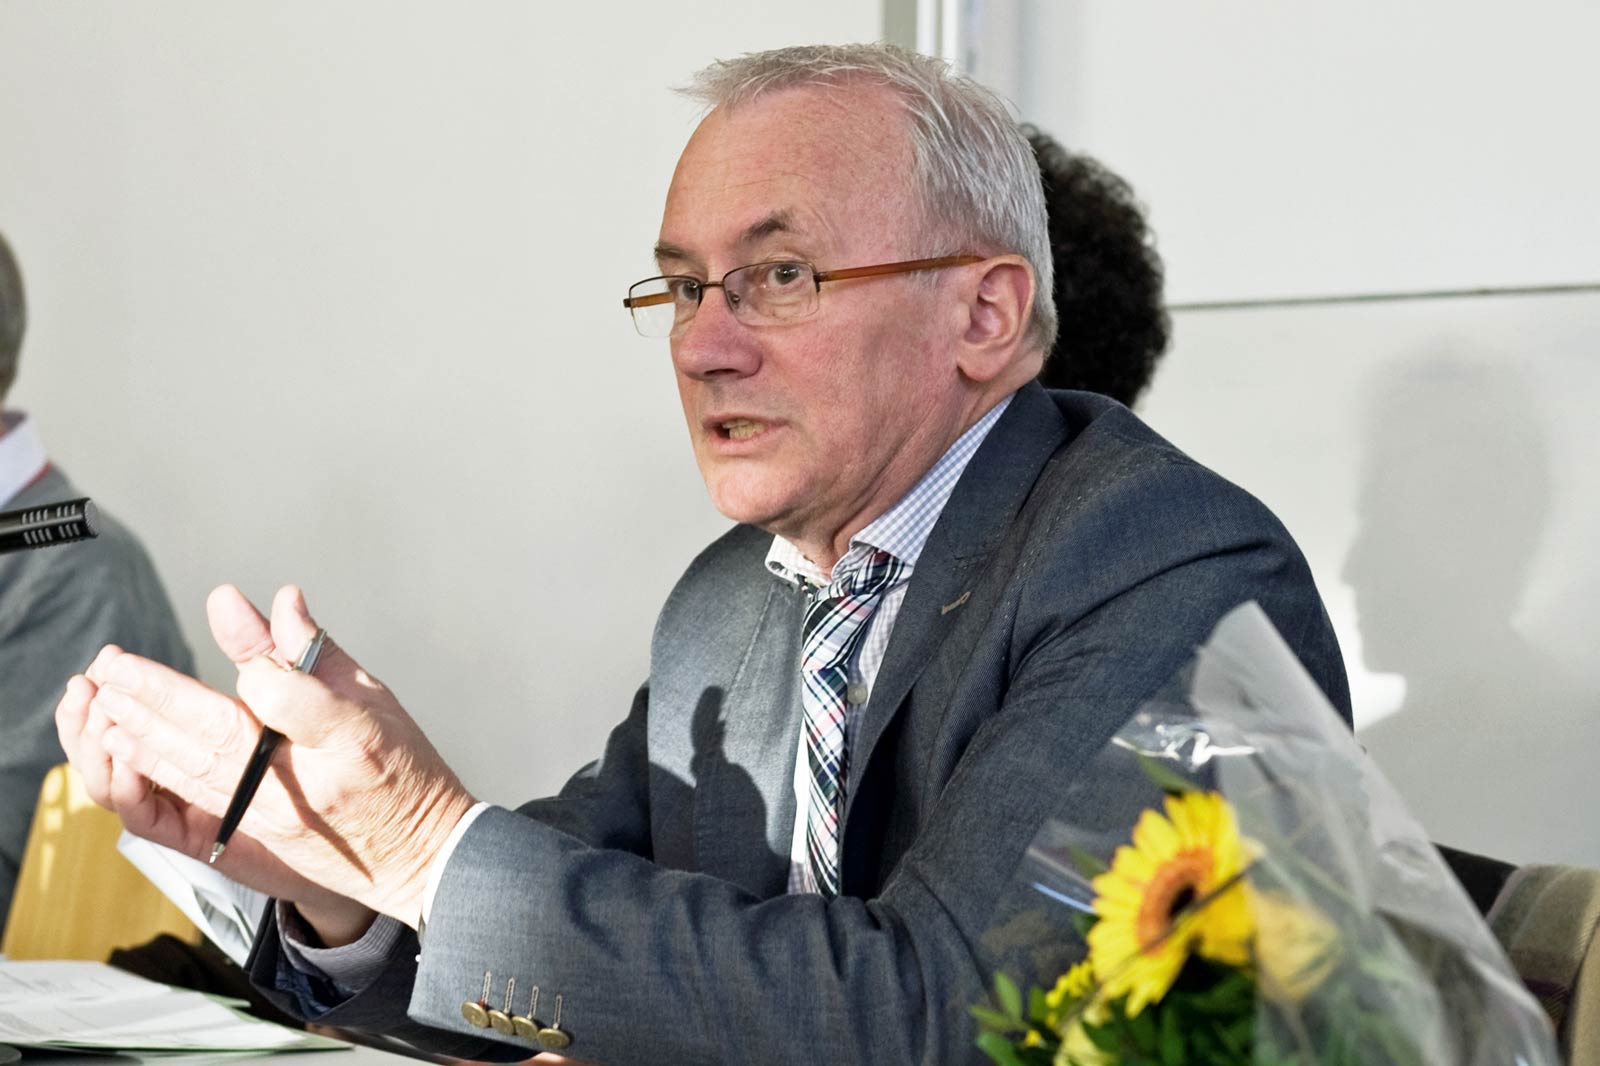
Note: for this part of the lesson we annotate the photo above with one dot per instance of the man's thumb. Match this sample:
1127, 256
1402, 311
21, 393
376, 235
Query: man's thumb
292, 627
237, 627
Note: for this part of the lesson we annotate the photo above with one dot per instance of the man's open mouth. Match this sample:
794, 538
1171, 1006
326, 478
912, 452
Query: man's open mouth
739, 429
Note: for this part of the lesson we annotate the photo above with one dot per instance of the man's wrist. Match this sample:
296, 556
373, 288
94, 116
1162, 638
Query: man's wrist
335, 923
398, 890
430, 886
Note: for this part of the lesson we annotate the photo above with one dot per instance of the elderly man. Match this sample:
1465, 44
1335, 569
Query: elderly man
946, 590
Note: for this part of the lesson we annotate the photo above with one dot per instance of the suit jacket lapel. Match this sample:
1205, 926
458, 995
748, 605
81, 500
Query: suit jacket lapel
978, 515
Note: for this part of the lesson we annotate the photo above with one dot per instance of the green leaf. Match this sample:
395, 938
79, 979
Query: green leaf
1103, 1037
1171, 1040
1087, 863
1233, 993
1005, 990
1143, 1027
999, 1049
1239, 1034
1038, 1009
1165, 778
995, 1021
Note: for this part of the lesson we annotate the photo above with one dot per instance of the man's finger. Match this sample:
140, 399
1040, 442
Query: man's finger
72, 714
192, 726
133, 798
96, 669
302, 708
308, 709
93, 762
237, 627
171, 755
292, 627
155, 813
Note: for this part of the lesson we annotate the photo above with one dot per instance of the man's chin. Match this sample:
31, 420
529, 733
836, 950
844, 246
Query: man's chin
746, 505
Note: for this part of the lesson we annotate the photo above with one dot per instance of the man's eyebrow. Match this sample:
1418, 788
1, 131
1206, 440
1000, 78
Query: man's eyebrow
666, 251
777, 222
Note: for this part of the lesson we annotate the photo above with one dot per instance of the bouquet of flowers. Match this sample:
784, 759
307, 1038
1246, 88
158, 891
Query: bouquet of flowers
1271, 901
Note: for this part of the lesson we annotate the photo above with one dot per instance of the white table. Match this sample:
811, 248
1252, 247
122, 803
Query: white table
356, 1056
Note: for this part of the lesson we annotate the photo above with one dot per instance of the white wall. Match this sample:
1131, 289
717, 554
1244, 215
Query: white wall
330, 293
1434, 458
1294, 149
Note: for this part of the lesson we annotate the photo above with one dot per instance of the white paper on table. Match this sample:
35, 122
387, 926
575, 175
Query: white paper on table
227, 912
92, 1005
60, 981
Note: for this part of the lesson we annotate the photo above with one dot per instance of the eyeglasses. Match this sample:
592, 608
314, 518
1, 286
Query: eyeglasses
761, 294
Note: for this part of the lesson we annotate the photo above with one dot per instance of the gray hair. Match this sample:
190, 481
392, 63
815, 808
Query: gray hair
977, 181
13, 316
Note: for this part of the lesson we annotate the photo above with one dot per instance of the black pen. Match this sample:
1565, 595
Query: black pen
261, 758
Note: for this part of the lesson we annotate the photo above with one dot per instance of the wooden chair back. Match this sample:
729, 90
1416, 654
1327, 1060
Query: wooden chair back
76, 896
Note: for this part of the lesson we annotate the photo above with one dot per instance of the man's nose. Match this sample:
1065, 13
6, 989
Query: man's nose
715, 343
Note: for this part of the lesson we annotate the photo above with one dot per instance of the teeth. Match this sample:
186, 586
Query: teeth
742, 429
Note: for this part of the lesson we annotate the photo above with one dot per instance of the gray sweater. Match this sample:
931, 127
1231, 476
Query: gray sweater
58, 606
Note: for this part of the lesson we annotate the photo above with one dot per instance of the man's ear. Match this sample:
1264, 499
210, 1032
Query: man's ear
998, 306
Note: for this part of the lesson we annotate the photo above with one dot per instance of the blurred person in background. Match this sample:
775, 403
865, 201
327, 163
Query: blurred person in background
58, 606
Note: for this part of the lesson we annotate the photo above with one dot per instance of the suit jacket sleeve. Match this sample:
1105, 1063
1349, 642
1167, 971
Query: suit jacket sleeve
604, 804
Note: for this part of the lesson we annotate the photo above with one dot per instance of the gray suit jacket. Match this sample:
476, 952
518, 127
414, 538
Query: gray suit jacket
1077, 565
58, 607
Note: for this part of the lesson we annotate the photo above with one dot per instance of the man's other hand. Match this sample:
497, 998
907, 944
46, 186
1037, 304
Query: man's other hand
356, 804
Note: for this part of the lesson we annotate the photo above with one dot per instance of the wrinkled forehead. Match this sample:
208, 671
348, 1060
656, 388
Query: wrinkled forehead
828, 167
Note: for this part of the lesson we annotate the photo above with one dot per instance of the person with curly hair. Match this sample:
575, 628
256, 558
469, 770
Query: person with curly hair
1108, 277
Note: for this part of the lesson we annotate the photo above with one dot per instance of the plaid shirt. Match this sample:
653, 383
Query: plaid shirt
901, 531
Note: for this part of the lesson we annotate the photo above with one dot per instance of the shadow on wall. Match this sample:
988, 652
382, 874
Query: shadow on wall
1494, 743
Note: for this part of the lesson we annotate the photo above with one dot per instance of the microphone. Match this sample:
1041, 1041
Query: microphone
53, 523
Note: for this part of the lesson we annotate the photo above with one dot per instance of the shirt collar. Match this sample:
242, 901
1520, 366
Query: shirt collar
22, 455
903, 529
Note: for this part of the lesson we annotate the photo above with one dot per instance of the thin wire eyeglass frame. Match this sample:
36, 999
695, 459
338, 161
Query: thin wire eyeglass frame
634, 303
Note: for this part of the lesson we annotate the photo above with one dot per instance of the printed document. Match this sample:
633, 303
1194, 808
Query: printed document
82, 1005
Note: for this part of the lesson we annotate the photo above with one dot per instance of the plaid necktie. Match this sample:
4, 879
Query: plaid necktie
834, 625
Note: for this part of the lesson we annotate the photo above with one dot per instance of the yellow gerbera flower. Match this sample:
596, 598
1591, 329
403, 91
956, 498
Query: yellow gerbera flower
1297, 948
1174, 860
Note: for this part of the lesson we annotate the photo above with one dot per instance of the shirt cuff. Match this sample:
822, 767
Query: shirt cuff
436, 871
352, 968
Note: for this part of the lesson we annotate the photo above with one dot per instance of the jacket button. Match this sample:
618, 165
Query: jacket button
476, 1014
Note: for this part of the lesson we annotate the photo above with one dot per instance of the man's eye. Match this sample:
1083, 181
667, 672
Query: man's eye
782, 275
685, 290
